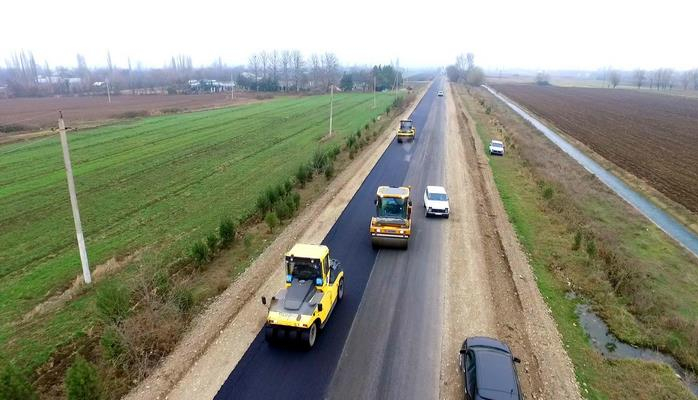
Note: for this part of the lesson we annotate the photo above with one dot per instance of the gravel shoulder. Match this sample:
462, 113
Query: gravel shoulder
489, 288
221, 334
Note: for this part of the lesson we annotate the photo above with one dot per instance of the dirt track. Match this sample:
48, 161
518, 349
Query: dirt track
496, 294
651, 136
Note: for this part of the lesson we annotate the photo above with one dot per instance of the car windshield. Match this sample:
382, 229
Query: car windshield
405, 125
437, 196
391, 207
303, 269
494, 144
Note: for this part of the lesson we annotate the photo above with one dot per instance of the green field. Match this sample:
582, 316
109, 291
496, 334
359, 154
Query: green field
156, 183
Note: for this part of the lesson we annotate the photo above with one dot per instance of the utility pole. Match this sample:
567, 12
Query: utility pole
232, 87
331, 104
74, 201
108, 94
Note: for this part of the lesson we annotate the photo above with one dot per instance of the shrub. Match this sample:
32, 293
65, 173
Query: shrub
272, 195
9, 128
112, 344
288, 186
548, 192
358, 133
199, 252
281, 209
304, 174
352, 153
351, 141
161, 282
577, 241
387, 110
262, 203
319, 160
14, 385
335, 151
296, 199
183, 299
113, 302
290, 204
488, 110
212, 242
131, 114
81, 381
366, 126
226, 229
280, 191
329, 170
591, 248
272, 220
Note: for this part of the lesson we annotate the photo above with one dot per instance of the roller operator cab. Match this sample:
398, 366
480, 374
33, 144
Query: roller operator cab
314, 285
406, 131
392, 224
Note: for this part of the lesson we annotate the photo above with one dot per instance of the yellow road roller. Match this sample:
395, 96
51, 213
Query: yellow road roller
406, 131
392, 224
314, 286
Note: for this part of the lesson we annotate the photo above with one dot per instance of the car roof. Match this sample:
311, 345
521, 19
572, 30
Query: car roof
485, 341
495, 374
497, 141
436, 189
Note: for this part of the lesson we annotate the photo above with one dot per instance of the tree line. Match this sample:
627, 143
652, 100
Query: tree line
660, 78
269, 71
465, 70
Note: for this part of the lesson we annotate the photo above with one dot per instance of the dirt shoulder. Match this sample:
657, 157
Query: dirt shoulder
221, 334
497, 293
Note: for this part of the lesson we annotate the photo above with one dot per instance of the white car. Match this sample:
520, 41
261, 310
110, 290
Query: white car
435, 201
497, 147
440, 93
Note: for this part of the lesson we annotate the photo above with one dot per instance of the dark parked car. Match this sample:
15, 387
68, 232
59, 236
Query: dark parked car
488, 366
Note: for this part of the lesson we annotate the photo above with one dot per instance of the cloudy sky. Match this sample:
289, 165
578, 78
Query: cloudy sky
541, 34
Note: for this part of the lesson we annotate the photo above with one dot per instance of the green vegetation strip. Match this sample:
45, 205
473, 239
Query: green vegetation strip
156, 183
534, 206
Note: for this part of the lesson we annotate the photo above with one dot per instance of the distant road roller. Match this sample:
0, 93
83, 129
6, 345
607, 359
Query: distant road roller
406, 131
314, 286
392, 224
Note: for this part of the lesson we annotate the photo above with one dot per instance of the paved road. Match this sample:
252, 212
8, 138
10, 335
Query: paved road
664, 221
387, 328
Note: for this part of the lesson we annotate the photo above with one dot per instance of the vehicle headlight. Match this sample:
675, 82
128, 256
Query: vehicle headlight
429, 208
446, 209
401, 231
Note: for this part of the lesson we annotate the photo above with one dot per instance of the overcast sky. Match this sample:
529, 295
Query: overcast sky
545, 34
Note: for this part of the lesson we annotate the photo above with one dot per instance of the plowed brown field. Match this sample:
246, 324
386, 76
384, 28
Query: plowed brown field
653, 136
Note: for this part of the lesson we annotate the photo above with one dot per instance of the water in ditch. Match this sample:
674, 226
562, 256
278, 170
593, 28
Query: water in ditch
610, 347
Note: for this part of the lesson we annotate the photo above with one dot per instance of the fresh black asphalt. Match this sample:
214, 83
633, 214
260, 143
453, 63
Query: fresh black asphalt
269, 372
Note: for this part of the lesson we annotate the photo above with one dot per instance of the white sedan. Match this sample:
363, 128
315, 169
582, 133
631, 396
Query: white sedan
435, 201
440, 93
497, 147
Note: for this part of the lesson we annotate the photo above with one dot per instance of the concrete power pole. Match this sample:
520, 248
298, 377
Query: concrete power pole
108, 94
331, 104
74, 201
232, 87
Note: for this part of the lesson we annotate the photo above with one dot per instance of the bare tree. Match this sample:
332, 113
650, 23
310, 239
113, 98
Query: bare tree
639, 77
254, 65
298, 66
614, 78
331, 68
264, 61
470, 61
274, 64
285, 67
686, 78
315, 69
